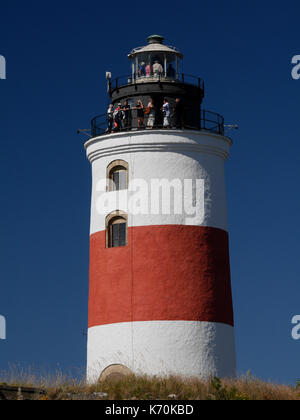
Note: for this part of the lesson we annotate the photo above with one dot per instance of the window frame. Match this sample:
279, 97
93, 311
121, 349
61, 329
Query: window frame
113, 167
111, 219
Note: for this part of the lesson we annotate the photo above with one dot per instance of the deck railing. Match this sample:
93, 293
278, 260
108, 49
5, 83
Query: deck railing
207, 121
132, 79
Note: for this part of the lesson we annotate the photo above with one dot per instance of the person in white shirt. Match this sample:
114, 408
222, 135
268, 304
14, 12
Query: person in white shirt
166, 112
151, 113
157, 68
110, 119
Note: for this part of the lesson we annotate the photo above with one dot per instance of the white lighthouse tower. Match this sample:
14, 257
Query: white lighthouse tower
160, 291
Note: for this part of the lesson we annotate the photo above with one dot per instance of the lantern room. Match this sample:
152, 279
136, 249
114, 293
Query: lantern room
155, 60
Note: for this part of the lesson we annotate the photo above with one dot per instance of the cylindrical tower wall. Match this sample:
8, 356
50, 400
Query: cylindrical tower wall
162, 304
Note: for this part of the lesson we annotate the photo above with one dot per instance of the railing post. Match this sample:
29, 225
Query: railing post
182, 78
109, 88
200, 119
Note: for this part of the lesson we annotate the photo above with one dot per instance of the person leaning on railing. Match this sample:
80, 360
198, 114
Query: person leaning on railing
127, 114
178, 113
140, 113
166, 112
151, 112
118, 118
110, 119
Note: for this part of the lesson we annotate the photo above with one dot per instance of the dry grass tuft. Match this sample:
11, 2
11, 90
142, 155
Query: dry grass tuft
62, 387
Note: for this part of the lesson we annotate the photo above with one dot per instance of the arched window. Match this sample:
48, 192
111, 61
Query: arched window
116, 230
117, 176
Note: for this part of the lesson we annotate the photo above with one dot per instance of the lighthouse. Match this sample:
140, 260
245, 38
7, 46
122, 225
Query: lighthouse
160, 300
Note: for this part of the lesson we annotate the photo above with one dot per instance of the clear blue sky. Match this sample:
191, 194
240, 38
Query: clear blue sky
57, 54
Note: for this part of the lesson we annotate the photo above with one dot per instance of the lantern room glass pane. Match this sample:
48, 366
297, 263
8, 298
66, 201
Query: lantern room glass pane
142, 65
142, 62
158, 64
171, 70
155, 64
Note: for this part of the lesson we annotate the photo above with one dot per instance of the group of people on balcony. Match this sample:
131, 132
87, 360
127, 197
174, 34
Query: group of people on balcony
156, 70
120, 118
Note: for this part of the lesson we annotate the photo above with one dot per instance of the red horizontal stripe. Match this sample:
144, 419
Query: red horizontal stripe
165, 273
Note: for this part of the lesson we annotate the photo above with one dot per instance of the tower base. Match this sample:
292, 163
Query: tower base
163, 348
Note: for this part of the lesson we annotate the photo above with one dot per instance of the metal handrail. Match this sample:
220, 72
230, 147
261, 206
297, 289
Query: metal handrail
132, 79
207, 121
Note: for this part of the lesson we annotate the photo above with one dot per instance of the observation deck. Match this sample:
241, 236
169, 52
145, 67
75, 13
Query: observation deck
156, 76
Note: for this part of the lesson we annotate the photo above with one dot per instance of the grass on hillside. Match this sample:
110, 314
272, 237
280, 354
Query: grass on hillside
60, 387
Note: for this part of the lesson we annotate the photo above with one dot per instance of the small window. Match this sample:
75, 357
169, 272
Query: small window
117, 175
116, 230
